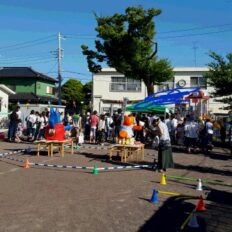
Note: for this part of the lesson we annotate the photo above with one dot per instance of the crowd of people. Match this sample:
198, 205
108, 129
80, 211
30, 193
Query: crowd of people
160, 133
33, 127
93, 128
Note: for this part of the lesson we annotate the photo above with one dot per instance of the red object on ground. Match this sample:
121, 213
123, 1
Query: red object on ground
200, 205
2, 136
59, 133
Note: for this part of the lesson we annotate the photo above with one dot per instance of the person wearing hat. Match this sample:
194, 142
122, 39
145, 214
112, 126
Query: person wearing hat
165, 159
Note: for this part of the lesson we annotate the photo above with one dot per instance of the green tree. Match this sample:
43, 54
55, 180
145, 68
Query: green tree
72, 92
219, 76
126, 43
87, 91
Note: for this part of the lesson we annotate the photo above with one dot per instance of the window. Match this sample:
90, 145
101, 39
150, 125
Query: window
124, 84
106, 109
50, 90
166, 86
198, 82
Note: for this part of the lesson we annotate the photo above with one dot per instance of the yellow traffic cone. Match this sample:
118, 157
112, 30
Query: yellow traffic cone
26, 164
163, 179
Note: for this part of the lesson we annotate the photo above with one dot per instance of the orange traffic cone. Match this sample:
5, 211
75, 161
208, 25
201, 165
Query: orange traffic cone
26, 164
200, 205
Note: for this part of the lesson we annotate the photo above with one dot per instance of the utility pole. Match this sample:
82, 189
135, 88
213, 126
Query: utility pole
59, 57
195, 53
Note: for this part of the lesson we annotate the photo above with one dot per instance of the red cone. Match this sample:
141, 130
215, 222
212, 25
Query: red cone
200, 205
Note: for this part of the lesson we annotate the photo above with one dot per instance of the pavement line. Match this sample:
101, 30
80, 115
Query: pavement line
177, 194
9, 171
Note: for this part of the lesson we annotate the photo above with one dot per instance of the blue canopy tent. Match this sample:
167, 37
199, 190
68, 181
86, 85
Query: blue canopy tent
164, 98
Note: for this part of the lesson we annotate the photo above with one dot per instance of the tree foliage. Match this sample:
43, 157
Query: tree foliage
219, 76
72, 92
125, 42
87, 91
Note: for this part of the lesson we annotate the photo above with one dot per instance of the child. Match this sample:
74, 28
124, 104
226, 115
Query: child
19, 132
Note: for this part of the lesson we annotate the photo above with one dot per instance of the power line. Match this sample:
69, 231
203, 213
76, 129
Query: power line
76, 73
80, 36
32, 56
81, 78
24, 59
52, 68
26, 42
195, 28
195, 53
82, 74
29, 45
197, 34
28, 62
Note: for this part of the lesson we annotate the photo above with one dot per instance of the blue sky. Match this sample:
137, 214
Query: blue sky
28, 32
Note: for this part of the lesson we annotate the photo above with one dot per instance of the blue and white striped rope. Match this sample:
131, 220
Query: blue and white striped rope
4, 155
61, 166
127, 167
14, 159
92, 168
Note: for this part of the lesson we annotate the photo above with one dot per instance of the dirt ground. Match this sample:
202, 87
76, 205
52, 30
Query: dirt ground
69, 200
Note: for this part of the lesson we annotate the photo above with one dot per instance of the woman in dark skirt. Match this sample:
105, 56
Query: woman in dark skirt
165, 159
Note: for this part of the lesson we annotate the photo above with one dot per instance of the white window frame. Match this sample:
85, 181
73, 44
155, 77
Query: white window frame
198, 84
124, 84
50, 90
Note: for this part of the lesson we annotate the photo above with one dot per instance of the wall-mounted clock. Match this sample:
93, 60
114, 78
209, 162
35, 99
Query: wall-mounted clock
181, 83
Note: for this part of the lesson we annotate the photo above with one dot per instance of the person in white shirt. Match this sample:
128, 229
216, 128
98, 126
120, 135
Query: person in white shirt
167, 121
191, 130
165, 159
174, 123
19, 113
207, 140
101, 129
43, 120
31, 124
109, 126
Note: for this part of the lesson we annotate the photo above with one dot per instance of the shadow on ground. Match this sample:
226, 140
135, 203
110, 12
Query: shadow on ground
171, 215
174, 211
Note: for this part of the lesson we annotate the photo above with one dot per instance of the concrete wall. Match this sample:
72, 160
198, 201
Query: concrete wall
27, 108
4, 109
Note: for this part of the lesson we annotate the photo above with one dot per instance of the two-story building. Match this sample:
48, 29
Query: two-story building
111, 87
29, 85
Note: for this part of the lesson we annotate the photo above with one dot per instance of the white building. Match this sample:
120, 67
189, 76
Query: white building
4, 96
111, 87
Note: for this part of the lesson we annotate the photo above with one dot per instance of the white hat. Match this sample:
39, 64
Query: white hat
155, 118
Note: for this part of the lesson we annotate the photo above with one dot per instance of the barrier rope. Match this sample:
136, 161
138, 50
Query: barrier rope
92, 168
6, 156
3, 155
